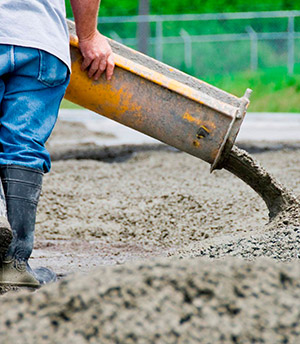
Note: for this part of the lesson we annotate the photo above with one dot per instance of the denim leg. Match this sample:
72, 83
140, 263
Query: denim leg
2, 89
5, 67
29, 107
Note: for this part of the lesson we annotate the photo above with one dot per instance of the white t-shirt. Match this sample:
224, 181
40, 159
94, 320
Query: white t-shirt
37, 24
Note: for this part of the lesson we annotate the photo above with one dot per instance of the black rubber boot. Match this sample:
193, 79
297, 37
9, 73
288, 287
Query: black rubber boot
22, 187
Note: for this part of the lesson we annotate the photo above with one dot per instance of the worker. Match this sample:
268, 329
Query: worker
34, 74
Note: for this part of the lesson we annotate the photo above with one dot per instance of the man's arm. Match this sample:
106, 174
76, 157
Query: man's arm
96, 52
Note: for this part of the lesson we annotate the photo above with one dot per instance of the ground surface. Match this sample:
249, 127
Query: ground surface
220, 275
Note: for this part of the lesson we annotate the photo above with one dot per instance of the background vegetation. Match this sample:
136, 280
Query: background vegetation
273, 89
130, 7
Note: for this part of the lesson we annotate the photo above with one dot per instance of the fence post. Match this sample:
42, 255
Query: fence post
291, 45
143, 27
187, 48
159, 41
115, 36
253, 47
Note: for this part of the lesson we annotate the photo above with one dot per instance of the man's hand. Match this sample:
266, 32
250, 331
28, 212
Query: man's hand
96, 52
97, 56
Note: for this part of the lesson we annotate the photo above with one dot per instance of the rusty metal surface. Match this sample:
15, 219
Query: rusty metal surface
153, 104
175, 86
164, 69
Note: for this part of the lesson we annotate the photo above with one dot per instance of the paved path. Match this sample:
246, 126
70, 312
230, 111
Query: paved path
270, 127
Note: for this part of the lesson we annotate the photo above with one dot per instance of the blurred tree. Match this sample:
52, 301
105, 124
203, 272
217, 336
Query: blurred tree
143, 27
131, 7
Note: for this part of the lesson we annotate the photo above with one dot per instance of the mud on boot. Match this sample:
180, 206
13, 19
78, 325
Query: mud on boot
15, 273
6, 236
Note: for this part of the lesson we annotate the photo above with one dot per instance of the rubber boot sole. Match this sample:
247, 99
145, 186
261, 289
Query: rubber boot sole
6, 236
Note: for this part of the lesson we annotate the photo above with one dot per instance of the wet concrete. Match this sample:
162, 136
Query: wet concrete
162, 301
275, 195
226, 281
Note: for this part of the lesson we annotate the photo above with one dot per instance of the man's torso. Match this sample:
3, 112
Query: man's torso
37, 24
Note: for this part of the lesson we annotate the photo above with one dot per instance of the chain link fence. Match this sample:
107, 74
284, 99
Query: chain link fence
211, 44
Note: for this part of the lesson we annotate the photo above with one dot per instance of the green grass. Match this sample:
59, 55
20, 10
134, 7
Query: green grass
273, 89
130, 7
65, 104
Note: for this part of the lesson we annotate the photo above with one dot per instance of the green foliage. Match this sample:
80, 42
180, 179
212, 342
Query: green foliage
66, 104
223, 64
273, 89
209, 6
130, 7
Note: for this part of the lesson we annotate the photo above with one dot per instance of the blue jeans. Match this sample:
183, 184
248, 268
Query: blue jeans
32, 85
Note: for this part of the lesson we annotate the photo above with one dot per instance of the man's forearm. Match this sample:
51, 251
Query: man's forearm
86, 17
96, 52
